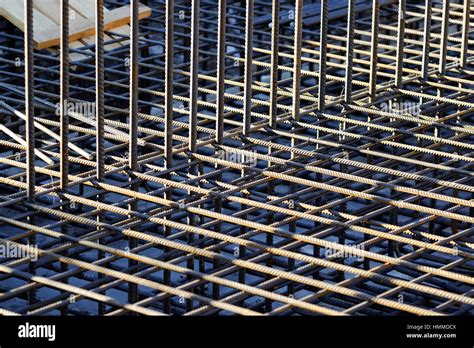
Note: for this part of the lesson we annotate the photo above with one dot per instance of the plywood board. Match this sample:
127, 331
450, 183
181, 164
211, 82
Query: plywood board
112, 19
86, 8
46, 31
51, 9
15, 15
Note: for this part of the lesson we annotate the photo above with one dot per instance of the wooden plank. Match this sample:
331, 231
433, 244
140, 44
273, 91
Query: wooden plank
50, 9
73, 56
123, 30
90, 40
13, 11
87, 9
112, 19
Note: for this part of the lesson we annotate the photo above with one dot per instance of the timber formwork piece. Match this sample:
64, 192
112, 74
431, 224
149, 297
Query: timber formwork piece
234, 157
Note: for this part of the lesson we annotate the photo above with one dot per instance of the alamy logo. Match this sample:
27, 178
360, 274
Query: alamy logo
402, 108
82, 108
249, 159
350, 251
12, 251
37, 331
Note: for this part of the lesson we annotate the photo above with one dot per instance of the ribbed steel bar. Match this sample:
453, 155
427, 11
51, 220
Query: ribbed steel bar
349, 50
400, 43
444, 37
99, 87
134, 61
248, 66
29, 100
133, 121
298, 29
275, 41
194, 79
29, 123
99, 107
466, 24
64, 116
374, 49
323, 48
426, 39
169, 70
221, 69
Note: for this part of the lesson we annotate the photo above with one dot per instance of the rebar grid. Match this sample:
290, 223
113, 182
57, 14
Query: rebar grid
236, 161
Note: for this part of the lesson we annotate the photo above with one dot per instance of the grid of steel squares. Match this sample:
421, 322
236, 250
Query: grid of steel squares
242, 158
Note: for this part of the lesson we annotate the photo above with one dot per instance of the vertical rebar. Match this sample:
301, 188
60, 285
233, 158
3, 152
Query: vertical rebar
465, 32
64, 120
64, 96
464, 42
296, 98
99, 88
297, 59
247, 104
220, 87
220, 100
133, 125
444, 38
99, 111
400, 44
193, 111
349, 51
248, 67
426, 40
29, 101
274, 63
169, 77
323, 50
194, 66
169, 66
133, 108
29, 127
374, 50
273, 110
